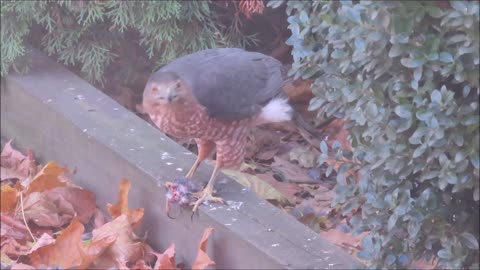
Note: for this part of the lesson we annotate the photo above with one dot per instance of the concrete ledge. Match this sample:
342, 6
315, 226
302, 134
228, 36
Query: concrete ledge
62, 117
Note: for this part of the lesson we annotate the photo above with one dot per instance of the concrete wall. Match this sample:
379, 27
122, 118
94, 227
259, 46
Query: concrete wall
63, 118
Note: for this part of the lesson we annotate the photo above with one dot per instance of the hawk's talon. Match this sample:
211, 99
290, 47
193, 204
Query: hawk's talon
203, 196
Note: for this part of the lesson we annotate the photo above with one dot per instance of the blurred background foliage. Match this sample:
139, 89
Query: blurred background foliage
403, 74
117, 44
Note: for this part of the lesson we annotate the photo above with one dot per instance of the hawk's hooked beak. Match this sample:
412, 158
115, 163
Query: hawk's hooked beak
171, 95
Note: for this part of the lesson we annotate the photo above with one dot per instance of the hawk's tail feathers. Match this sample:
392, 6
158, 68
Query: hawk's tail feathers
276, 110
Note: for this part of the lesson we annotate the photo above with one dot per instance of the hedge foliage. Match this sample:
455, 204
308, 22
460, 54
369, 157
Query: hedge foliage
90, 35
405, 75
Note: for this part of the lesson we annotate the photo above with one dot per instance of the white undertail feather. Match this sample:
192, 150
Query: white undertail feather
277, 110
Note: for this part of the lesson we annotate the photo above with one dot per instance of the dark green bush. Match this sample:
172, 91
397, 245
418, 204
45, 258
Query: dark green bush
93, 35
405, 75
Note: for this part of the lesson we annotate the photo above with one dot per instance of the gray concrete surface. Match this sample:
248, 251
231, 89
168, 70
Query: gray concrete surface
63, 118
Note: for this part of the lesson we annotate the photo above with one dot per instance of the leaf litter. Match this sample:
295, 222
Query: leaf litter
44, 217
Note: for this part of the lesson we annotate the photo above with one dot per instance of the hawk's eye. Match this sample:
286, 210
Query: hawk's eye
178, 84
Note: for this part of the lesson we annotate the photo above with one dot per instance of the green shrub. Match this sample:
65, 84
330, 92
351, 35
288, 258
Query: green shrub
91, 35
405, 76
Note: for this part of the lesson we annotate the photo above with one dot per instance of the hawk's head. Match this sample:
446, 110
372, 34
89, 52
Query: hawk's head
163, 89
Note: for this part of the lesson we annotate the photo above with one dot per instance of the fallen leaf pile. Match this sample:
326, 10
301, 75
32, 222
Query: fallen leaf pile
49, 222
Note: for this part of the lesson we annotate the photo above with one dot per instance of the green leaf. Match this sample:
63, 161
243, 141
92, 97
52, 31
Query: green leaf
475, 160
371, 110
471, 120
412, 63
275, 3
469, 240
434, 11
442, 183
390, 260
323, 147
374, 36
395, 51
329, 170
413, 229
419, 151
403, 111
303, 16
338, 54
446, 57
424, 115
315, 103
360, 44
452, 179
417, 136
392, 221
445, 254
405, 124
418, 73
459, 6
466, 90
459, 156
458, 139
436, 96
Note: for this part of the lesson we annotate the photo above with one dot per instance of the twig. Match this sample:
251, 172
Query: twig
24, 219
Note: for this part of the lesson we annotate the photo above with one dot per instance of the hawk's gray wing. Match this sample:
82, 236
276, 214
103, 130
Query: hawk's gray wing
231, 83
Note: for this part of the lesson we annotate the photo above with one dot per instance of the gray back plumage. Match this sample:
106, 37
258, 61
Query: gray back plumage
230, 82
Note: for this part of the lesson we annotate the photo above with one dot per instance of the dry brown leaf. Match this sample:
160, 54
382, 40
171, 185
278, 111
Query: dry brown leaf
299, 90
8, 231
288, 190
260, 142
43, 211
266, 154
291, 171
166, 260
15, 160
425, 265
127, 248
7, 173
47, 178
45, 239
5, 260
313, 221
8, 199
306, 158
96, 249
28, 164
98, 219
141, 265
66, 251
11, 158
261, 188
12, 227
82, 201
335, 131
344, 240
22, 266
56, 207
202, 260
12, 248
121, 207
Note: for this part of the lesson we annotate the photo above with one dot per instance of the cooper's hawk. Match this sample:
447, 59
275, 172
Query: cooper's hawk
216, 96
